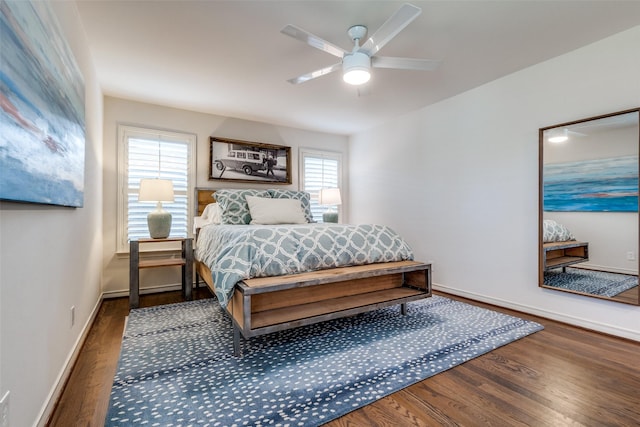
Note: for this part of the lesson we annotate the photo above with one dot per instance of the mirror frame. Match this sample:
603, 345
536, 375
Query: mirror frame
541, 205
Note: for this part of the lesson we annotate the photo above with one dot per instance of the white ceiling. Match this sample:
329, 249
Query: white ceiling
229, 57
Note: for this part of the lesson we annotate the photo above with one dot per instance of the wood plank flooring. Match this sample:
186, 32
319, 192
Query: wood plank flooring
561, 376
629, 296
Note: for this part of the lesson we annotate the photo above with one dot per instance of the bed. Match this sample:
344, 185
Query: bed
560, 248
267, 288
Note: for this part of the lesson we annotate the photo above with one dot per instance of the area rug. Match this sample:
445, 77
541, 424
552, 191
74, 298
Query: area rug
590, 281
176, 366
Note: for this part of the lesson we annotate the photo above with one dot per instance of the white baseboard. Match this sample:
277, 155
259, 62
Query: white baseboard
143, 291
64, 374
606, 269
560, 317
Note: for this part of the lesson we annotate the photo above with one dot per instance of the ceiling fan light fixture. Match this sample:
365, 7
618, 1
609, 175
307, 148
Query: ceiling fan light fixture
356, 68
558, 135
558, 139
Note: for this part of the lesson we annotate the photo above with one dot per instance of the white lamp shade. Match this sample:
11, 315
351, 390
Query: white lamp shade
155, 190
330, 197
356, 68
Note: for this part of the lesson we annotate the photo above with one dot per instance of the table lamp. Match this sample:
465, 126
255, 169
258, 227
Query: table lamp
159, 220
330, 197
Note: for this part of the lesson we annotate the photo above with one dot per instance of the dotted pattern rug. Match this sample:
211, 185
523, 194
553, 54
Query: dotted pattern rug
590, 281
176, 365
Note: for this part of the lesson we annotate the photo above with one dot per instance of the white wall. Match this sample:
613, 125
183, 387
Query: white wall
50, 260
120, 111
460, 179
610, 235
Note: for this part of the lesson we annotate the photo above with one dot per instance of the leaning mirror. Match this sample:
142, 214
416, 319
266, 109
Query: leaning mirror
589, 207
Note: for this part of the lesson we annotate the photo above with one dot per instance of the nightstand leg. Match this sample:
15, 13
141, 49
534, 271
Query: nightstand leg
134, 275
187, 270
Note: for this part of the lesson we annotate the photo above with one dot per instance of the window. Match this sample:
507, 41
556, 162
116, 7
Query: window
320, 169
149, 153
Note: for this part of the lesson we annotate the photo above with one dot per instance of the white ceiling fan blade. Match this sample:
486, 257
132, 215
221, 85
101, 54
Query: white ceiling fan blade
405, 63
396, 23
313, 40
315, 74
575, 133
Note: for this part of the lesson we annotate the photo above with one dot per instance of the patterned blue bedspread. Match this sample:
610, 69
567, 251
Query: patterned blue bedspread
238, 252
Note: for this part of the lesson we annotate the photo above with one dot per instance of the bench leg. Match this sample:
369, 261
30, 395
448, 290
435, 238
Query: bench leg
403, 308
237, 345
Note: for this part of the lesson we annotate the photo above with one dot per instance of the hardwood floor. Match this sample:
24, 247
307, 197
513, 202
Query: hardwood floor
630, 296
561, 376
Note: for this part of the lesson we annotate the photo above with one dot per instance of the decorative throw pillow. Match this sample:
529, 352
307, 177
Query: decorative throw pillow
265, 210
555, 232
303, 196
233, 205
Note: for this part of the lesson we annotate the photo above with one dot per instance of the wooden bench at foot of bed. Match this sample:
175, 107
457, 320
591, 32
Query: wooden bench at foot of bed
264, 305
563, 254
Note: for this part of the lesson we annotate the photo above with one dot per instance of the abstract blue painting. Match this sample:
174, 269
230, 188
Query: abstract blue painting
42, 116
600, 185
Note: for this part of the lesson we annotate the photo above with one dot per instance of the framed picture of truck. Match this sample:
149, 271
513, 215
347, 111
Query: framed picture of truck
245, 161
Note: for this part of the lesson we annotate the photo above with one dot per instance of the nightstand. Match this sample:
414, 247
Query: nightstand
135, 264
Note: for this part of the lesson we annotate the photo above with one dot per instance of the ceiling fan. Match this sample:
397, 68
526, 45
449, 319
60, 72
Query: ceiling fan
357, 63
562, 134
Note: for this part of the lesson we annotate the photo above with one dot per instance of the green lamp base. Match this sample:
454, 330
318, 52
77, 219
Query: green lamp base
159, 223
330, 217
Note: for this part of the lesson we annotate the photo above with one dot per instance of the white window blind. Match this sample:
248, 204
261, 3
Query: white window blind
319, 170
147, 153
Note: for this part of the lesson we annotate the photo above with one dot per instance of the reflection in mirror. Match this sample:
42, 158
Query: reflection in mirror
589, 207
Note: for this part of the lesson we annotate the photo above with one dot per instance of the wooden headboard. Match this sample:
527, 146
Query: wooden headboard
204, 196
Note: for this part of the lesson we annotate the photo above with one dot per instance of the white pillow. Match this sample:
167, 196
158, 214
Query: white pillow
265, 210
211, 214
198, 222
